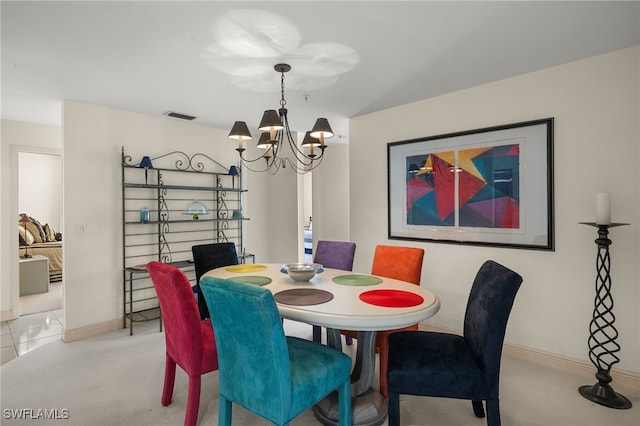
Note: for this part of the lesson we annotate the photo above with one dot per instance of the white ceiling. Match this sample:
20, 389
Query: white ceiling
214, 59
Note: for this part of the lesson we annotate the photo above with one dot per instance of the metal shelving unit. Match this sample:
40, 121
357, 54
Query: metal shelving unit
165, 185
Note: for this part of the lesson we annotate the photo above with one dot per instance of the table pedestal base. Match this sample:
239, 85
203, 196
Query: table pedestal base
369, 409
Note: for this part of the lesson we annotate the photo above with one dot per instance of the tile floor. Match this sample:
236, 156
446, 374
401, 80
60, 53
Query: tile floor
29, 332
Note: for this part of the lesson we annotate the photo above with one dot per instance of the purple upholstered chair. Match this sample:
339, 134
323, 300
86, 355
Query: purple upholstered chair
336, 255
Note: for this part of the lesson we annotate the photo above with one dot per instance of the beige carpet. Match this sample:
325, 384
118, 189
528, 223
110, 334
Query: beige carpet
42, 302
116, 379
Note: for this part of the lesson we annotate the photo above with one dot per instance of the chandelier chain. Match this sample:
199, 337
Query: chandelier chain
283, 102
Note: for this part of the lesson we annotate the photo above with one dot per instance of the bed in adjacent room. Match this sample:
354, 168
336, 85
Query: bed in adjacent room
43, 240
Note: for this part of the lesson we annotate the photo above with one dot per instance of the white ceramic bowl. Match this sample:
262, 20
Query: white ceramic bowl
301, 271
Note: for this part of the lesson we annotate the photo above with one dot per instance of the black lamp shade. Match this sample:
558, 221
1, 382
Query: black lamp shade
309, 140
321, 129
239, 131
265, 141
270, 120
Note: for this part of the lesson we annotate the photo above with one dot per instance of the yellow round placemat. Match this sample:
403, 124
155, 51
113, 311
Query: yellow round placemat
246, 268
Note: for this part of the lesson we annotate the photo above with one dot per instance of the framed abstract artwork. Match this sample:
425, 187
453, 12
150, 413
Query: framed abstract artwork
490, 186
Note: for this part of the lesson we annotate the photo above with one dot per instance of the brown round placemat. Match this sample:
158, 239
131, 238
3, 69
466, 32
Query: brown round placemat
303, 296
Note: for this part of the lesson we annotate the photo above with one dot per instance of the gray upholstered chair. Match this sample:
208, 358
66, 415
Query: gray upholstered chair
453, 366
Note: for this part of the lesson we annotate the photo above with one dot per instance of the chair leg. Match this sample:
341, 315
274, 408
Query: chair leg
344, 404
478, 408
383, 349
317, 334
394, 409
348, 340
169, 380
493, 413
224, 412
193, 401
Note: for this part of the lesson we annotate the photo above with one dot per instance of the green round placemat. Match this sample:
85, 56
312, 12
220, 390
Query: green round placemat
253, 279
354, 279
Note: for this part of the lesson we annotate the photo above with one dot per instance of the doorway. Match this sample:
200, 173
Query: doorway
40, 197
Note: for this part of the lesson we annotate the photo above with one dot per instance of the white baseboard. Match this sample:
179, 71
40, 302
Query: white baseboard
621, 378
90, 330
6, 315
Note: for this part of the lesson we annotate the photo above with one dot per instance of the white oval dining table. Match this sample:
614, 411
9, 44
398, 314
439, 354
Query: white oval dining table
344, 311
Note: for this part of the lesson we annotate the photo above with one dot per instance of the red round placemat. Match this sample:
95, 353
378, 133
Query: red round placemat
391, 298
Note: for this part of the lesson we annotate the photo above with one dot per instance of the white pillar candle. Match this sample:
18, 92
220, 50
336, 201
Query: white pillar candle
603, 209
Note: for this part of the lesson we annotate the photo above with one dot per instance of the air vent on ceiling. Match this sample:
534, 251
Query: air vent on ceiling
178, 115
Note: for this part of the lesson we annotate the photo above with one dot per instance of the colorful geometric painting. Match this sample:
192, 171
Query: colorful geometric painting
488, 188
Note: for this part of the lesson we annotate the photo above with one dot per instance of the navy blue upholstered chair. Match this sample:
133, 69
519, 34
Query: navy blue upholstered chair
453, 366
207, 257
273, 376
336, 255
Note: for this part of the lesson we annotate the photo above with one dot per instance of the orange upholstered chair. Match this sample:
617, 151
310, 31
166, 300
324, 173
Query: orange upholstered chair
189, 340
400, 263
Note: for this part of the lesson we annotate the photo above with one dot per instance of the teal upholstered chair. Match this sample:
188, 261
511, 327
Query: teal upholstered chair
273, 376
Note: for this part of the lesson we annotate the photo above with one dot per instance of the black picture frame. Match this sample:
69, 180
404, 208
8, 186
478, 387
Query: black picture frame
490, 187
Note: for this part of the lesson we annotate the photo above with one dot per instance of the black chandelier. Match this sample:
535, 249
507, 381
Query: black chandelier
276, 136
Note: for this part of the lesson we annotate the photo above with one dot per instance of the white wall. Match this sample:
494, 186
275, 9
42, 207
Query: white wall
331, 210
595, 105
40, 187
93, 137
17, 137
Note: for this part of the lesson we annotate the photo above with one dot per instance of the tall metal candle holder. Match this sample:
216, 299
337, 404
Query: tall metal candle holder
602, 333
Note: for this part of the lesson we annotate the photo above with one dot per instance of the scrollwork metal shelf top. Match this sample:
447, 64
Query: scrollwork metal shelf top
181, 162
193, 188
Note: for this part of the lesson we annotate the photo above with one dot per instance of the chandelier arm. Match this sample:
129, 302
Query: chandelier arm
296, 151
247, 160
296, 166
268, 168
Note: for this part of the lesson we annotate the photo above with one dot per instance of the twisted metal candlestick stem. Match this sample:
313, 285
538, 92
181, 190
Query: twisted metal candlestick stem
602, 333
